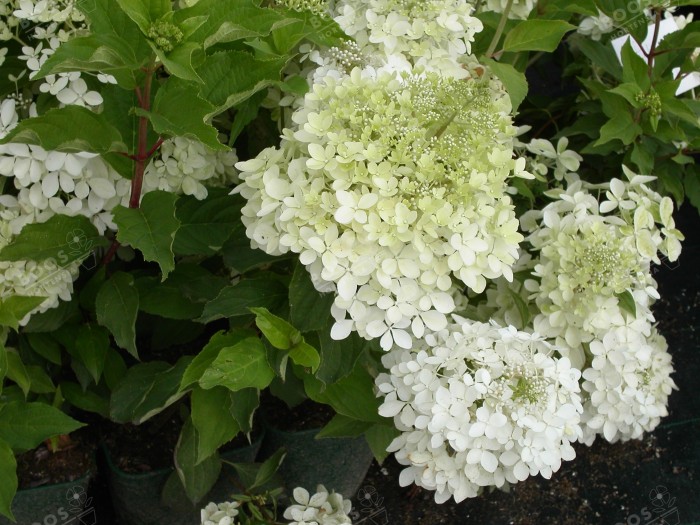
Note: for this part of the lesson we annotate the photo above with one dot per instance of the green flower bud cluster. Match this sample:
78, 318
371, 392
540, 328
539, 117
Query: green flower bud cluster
165, 35
650, 101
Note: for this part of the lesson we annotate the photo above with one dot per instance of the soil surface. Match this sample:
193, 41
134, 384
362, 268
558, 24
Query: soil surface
42, 467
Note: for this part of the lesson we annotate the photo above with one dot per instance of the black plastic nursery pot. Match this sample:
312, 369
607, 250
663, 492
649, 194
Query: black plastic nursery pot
54, 504
340, 464
138, 498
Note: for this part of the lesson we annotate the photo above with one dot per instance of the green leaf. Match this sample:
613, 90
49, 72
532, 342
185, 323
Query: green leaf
343, 426
211, 416
309, 309
146, 390
46, 346
91, 345
71, 129
627, 302
321, 30
303, 354
236, 299
39, 380
178, 111
598, 54
15, 308
536, 35
379, 437
513, 80
620, 127
85, 400
691, 185
353, 396
239, 255
145, 12
206, 225
244, 402
209, 353
243, 365
166, 299
634, 68
3, 365
17, 372
229, 20
338, 358
232, 77
115, 368
522, 308
8, 479
116, 307
23, 426
246, 112
279, 332
197, 477
150, 228
61, 238
268, 469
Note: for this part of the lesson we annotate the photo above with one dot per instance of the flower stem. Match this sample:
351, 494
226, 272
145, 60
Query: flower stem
499, 29
142, 154
654, 41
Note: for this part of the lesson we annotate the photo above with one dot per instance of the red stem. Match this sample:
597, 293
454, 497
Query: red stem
142, 153
654, 41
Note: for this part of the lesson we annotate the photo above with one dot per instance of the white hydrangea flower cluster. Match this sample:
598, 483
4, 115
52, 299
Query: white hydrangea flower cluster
427, 33
322, 508
480, 405
47, 278
220, 514
182, 165
594, 293
44, 11
589, 257
627, 384
393, 189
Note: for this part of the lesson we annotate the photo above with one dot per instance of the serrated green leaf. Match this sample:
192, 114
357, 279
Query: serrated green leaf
146, 390
181, 61
71, 129
8, 479
150, 228
211, 416
210, 352
353, 396
228, 20
235, 300
513, 80
206, 225
627, 302
116, 307
621, 127
243, 365
178, 111
61, 238
536, 35
343, 426
233, 76
634, 68
279, 332
197, 477
91, 345
23, 426
145, 12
